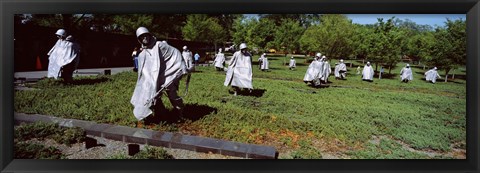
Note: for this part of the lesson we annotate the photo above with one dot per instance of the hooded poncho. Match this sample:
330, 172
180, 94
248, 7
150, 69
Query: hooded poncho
187, 56
264, 61
326, 71
340, 70
313, 71
367, 73
61, 54
239, 71
219, 60
157, 67
406, 73
432, 75
292, 63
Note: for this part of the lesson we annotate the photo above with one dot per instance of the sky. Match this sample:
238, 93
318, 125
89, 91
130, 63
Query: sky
421, 19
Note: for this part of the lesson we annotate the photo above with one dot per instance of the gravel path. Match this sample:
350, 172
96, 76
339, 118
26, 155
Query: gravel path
107, 148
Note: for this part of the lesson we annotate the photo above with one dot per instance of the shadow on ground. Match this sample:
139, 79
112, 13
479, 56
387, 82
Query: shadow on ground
191, 112
323, 85
246, 92
386, 75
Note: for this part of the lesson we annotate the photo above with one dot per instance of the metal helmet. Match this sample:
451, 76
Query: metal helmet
324, 57
408, 65
435, 68
142, 30
264, 54
184, 47
368, 63
341, 60
291, 57
318, 55
243, 46
60, 32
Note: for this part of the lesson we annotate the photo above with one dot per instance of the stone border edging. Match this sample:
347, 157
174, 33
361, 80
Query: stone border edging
156, 138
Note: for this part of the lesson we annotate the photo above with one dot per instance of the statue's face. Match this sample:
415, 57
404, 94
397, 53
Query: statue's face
146, 39
244, 51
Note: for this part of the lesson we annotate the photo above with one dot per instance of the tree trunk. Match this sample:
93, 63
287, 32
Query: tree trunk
446, 74
453, 75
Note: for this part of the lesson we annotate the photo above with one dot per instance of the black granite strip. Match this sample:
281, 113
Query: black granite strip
155, 138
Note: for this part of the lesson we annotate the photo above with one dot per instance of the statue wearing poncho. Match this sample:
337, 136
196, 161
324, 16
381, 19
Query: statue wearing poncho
292, 63
263, 62
64, 52
326, 70
161, 67
188, 58
340, 70
406, 74
314, 71
239, 73
432, 75
219, 60
367, 73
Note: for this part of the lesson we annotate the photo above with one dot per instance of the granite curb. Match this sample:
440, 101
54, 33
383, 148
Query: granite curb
157, 138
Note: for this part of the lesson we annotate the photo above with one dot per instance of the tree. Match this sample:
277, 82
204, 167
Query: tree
242, 31
309, 41
332, 36
170, 25
385, 46
161, 25
70, 22
226, 21
261, 33
287, 35
128, 24
200, 27
362, 40
412, 26
449, 48
419, 46
305, 20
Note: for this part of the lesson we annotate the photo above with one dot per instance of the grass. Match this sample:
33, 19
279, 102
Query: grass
387, 149
282, 110
24, 150
39, 130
